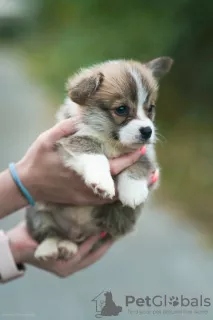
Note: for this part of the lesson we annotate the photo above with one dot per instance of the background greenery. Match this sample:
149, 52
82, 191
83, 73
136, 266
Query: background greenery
67, 35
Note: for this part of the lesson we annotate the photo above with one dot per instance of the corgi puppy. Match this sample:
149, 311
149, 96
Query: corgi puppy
116, 101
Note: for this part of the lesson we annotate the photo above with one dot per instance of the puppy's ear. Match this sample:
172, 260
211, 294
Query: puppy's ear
160, 66
84, 85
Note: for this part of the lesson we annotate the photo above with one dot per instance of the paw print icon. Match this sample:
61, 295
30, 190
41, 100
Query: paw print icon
173, 301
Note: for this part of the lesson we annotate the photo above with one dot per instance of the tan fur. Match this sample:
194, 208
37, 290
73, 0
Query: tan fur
97, 93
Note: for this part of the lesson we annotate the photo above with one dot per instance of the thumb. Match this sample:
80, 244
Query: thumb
60, 130
119, 164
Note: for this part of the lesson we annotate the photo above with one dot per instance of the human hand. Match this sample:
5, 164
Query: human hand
47, 179
23, 248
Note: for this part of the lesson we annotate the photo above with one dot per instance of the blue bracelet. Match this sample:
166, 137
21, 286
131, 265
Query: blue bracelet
19, 184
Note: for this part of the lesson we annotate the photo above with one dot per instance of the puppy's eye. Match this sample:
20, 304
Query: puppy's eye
151, 108
122, 111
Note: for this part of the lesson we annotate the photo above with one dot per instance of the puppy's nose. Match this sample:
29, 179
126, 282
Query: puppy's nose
146, 132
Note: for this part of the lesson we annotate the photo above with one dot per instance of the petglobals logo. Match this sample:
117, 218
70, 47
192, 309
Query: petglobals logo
165, 301
106, 305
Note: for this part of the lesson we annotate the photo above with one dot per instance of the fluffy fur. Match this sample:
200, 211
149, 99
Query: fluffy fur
116, 100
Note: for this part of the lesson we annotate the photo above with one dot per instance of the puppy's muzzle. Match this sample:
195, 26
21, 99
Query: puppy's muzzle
145, 132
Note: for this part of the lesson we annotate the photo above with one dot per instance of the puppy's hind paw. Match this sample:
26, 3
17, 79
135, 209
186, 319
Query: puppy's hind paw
55, 248
47, 250
67, 249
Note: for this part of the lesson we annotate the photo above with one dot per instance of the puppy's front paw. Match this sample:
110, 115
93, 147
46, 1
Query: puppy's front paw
131, 192
101, 183
95, 170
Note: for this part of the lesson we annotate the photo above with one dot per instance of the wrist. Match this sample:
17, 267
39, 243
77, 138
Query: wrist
21, 244
9, 269
11, 198
27, 178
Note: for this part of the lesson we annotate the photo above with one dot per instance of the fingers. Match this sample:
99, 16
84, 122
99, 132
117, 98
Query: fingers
119, 164
154, 177
64, 268
84, 249
95, 256
62, 129
88, 197
98, 200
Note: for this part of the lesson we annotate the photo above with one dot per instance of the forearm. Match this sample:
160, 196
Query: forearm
21, 244
11, 198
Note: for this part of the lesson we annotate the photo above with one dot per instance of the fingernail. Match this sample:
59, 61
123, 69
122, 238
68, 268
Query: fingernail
103, 234
155, 177
143, 150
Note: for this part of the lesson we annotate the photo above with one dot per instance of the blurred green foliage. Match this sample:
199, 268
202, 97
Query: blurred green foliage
79, 33
70, 34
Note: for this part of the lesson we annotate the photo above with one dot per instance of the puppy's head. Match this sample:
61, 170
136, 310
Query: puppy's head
118, 98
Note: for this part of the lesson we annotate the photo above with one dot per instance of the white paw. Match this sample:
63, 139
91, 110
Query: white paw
48, 249
95, 170
55, 248
97, 176
132, 192
101, 183
67, 249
